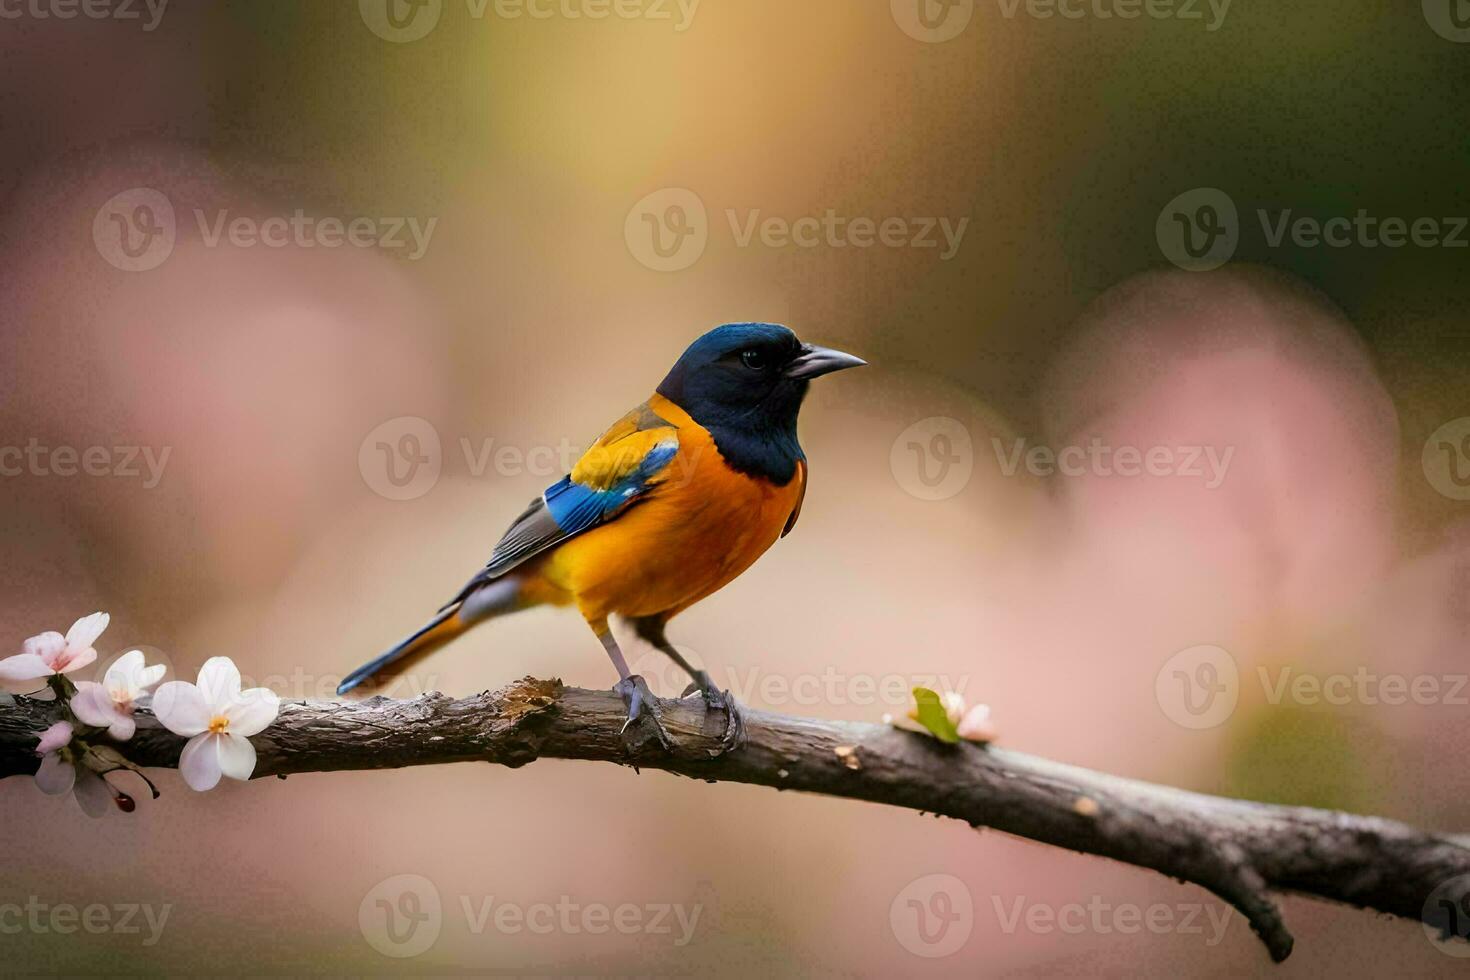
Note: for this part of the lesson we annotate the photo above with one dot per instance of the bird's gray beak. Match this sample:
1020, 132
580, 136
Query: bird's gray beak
814, 361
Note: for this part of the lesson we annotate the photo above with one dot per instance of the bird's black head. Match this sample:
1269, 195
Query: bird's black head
744, 382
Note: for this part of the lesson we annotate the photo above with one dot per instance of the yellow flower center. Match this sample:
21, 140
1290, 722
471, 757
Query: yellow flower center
218, 724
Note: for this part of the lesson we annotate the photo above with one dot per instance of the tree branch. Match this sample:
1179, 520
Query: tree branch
1239, 850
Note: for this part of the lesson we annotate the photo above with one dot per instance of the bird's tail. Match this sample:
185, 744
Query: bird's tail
492, 599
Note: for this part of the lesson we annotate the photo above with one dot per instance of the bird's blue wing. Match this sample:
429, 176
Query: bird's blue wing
622, 467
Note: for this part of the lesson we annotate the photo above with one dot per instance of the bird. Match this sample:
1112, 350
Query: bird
671, 503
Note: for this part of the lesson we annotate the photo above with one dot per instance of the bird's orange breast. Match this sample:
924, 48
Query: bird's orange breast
703, 525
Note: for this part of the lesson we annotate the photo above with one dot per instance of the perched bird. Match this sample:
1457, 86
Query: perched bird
673, 502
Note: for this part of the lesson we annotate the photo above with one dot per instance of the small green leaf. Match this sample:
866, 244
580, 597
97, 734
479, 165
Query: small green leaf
932, 716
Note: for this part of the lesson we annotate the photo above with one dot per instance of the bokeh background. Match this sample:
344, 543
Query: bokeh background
546, 150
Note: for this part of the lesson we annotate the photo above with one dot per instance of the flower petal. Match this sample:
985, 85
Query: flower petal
24, 672
56, 775
954, 705
74, 660
236, 756
199, 763
124, 672
93, 794
219, 680
54, 737
179, 707
93, 705
252, 711
122, 727
47, 645
976, 725
84, 632
149, 676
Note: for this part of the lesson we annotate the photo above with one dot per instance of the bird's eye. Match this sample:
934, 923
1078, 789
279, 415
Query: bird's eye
753, 359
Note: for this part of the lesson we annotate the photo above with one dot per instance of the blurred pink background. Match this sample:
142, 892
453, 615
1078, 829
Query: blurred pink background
532, 319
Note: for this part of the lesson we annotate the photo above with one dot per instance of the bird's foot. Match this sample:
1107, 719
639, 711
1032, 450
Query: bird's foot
645, 722
718, 700
705, 685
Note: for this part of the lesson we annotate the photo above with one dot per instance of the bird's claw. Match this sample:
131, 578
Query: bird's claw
718, 700
713, 696
645, 721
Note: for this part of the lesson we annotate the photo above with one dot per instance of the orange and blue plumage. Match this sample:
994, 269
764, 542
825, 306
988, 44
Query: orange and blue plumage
671, 503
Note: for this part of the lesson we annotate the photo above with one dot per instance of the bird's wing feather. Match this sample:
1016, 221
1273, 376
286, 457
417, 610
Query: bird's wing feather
622, 467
